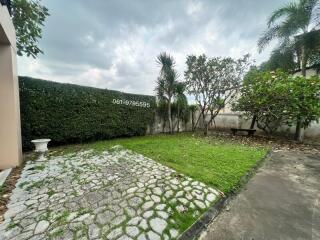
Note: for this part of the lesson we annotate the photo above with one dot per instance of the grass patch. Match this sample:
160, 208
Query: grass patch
12, 225
217, 162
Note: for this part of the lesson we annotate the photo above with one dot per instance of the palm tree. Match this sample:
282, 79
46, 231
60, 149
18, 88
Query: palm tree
181, 100
293, 24
166, 82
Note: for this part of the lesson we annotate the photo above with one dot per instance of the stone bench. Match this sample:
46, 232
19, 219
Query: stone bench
249, 131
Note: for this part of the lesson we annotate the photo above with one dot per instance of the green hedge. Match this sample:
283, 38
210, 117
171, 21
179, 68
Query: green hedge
68, 113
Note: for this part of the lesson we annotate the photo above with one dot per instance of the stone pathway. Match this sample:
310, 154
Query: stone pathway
116, 194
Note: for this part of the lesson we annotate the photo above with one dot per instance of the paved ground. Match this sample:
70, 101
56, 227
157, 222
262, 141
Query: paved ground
116, 194
282, 201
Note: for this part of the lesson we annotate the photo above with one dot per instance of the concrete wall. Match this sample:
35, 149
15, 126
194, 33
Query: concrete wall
236, 120
160, 126
309, 72
10, 133
227, 120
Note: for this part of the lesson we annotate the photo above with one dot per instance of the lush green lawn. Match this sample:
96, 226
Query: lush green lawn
212, 161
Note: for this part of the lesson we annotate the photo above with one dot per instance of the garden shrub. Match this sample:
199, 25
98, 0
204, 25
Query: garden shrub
277, 98
68, 113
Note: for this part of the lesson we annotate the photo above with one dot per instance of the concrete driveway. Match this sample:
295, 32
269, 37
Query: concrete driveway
282, 201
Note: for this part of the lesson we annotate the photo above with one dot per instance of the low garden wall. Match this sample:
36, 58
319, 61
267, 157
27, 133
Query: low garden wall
235, 120
68, 113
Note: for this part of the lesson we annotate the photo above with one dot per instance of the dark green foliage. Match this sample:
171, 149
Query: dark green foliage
28, 17
280, 59
68, 113
277, 98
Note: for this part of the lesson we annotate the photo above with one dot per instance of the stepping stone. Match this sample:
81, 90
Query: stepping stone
158, 225
142, 237
115, 233
147, 205
157, 191
134, 221
168, 193
183, 201
143, 224
153, 236
41, 227
148, 214
132, 231
105, 217
161, 207
163, 214
94, 231
173, 233
211, 197
155, 198
132, 190
118, 220
200, 204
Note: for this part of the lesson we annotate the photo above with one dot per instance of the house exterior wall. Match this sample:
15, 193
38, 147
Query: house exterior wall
10, 133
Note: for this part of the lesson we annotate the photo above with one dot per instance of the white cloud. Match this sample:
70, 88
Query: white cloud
114, 44
194, 7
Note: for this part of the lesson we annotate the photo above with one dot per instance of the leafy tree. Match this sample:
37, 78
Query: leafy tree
261, 99
214, 83
304, 103
193, 109
28, 17
166, 82
181, 102
292, 25
276, 98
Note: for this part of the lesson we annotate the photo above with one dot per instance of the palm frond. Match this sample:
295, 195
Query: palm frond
165, 60
168, 76
309, 5
290, 27
316, 15
289, 20
288, 9
160, 89
267, 37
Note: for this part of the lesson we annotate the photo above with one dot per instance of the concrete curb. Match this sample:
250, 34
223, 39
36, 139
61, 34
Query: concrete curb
196, 229
3, 176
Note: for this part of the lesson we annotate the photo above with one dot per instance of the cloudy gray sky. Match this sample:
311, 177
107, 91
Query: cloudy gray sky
114, 43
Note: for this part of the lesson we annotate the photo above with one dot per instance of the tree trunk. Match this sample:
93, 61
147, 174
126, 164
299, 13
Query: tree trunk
192, 121
169, 115
303, 61
205, 124
254, 118
178, 119
298, 134
206, 129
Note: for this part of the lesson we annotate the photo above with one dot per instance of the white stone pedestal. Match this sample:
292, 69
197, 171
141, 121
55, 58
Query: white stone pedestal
41, 144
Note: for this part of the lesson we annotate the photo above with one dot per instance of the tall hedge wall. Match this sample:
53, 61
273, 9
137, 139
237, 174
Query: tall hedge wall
68, 113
